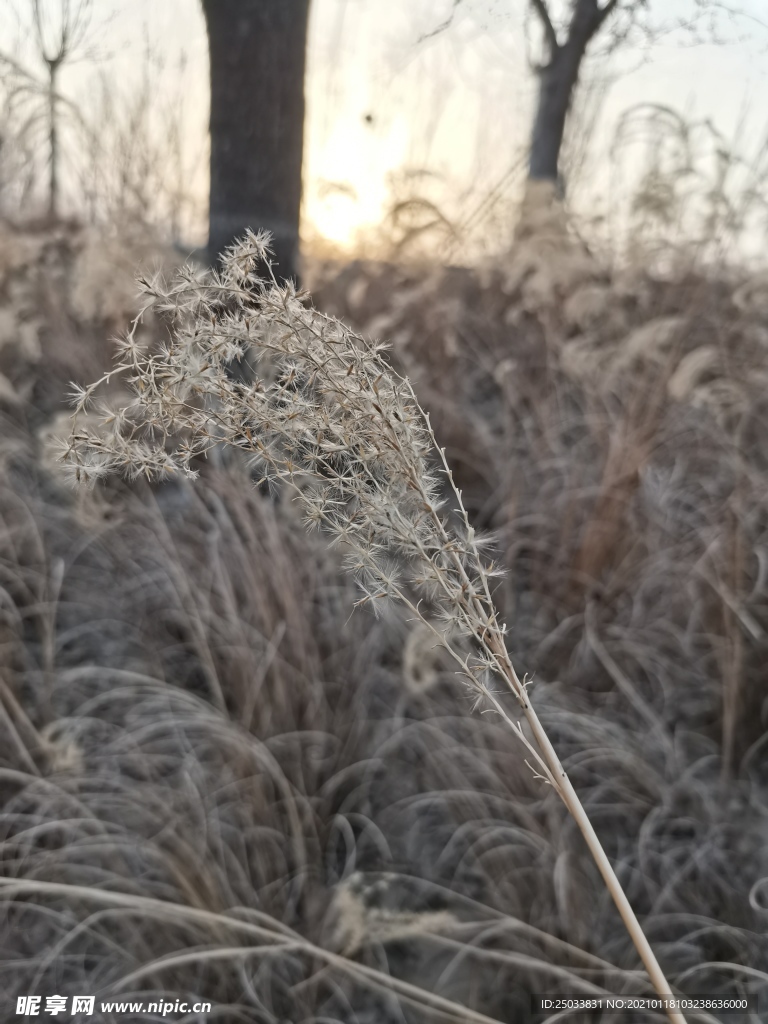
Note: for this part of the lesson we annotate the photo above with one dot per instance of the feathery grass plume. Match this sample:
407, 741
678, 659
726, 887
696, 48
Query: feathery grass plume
324, 414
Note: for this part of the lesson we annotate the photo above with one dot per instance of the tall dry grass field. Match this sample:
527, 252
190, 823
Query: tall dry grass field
220, 783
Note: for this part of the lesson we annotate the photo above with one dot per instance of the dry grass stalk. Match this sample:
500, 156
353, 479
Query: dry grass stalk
326, 416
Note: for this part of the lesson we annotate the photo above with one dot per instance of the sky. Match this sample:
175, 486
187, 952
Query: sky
385, 95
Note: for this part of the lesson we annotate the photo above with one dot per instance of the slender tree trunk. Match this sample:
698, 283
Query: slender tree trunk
257, 59
53, 142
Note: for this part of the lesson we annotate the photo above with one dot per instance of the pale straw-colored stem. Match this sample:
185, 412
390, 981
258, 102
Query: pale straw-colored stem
571, 800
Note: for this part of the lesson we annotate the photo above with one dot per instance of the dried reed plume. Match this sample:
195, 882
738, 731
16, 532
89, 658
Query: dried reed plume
321, 411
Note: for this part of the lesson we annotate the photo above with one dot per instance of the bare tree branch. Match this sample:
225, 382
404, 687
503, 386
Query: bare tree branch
607, 11
442, 26
585, 21
540, 6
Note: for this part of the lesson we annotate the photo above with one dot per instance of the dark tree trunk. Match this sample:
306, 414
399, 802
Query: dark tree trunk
53, 141
557, 81
257, 58
556, 84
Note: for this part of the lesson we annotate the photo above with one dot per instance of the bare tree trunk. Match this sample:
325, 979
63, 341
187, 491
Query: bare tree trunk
53, 142
556, 83
257, 58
